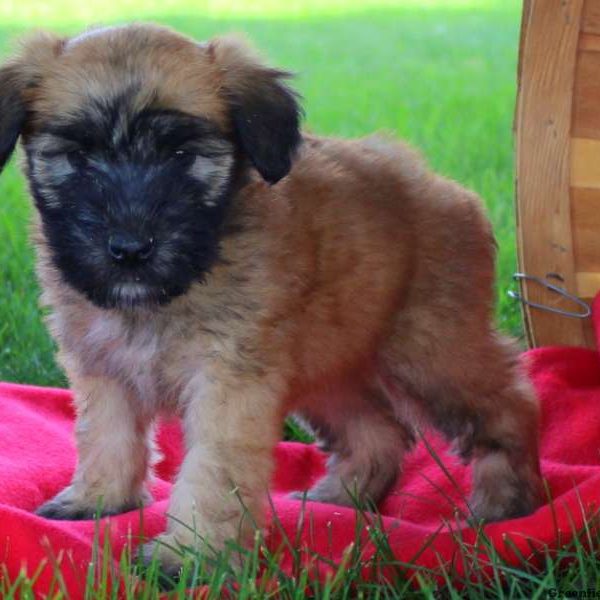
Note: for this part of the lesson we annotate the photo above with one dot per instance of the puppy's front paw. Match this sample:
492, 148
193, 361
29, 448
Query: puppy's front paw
163, 556
169, 560
324, 496
73, 505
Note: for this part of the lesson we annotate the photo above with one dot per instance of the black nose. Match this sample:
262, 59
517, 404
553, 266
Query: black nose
124, 247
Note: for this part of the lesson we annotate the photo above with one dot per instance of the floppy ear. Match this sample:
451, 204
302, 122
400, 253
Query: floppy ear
264, 111
18, 78
12, 112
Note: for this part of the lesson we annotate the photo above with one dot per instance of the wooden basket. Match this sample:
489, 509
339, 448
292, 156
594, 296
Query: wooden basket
558, 164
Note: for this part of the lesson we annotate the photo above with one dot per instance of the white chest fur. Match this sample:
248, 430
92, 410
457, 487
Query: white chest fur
128, 350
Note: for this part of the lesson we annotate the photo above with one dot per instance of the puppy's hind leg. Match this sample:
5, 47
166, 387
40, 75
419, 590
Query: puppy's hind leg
506, 474
488, 409
367, 447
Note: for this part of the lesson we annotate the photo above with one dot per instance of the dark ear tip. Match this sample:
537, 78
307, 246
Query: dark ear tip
274, 174
276, 168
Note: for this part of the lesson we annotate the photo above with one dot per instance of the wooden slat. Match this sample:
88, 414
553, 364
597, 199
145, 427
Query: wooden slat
585, 202
525, 16
589, 42
585, 219
588, 284
591, 17
589, 333
549, 51
586, 112
585, 159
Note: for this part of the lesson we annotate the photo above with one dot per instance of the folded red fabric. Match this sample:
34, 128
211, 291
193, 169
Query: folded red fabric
37, 458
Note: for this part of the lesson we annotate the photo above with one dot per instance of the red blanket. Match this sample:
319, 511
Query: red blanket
37, 458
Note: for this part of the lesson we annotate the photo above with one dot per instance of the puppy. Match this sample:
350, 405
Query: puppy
201, 256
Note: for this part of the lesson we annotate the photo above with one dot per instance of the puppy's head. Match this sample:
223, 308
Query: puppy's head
134, 140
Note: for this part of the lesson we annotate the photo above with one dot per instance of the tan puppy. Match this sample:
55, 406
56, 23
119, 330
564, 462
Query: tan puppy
201, 256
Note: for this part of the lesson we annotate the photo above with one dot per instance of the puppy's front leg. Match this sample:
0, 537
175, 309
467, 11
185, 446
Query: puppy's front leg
113, 452
231, 426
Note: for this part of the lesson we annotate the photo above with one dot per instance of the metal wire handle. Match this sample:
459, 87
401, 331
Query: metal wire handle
553, 288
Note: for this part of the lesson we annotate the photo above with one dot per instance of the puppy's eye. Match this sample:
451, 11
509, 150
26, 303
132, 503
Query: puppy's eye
184, 156
76, 158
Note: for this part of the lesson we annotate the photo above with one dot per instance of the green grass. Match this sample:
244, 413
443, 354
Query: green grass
439, 73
